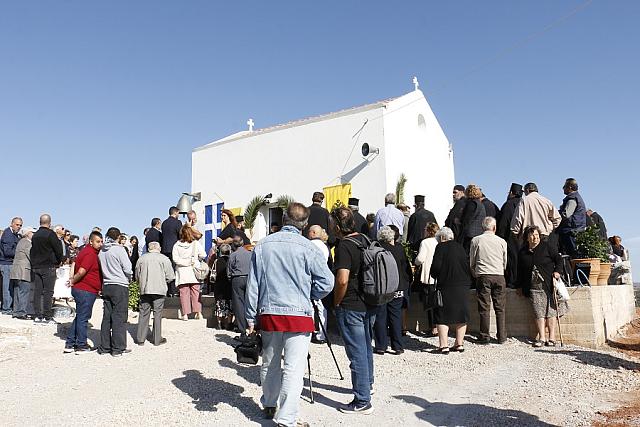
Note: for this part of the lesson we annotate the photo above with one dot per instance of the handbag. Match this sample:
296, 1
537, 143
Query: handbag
537, 281
200, 268
439, 302
249, 349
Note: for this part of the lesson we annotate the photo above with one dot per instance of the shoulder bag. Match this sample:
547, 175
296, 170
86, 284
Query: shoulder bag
200, 268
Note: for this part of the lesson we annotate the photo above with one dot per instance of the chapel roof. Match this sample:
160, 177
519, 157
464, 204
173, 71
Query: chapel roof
299, 122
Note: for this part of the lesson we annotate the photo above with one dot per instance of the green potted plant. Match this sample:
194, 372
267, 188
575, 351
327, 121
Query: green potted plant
595, 251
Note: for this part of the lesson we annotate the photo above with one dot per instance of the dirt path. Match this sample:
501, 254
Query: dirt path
194, 380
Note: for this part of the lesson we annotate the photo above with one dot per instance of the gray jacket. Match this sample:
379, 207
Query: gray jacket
154, 271
21, 268
115, 264
239, 263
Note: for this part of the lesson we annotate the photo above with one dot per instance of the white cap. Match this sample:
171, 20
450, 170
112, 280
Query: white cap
25, 230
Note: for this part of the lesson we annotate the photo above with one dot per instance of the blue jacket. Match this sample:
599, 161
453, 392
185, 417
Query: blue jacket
287, 272
8, 244
578, 220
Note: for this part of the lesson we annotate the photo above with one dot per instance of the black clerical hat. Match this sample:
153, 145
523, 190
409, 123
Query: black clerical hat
418, 198
353, 201
239, 218
515, 188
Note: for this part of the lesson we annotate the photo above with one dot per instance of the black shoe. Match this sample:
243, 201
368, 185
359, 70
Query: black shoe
162, 341
380, 352
21, 317
140, 343
83, 350
122, 353
102, 351
398, 352
68, 350
317, 341
502, 341
484, 341
269, 412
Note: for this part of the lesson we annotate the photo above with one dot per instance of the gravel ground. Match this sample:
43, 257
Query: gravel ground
194, 380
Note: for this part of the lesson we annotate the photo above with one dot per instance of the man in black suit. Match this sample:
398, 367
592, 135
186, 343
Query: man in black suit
170, 235
154, 234
417, 222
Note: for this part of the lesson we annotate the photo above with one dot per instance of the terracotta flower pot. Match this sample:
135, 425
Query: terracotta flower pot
605, 272
594, 271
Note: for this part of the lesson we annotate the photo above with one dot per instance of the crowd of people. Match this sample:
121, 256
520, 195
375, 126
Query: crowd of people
312, 263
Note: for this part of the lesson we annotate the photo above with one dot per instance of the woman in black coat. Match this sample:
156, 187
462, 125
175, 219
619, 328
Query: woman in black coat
389, 315
472, 216
450, 268
538, 286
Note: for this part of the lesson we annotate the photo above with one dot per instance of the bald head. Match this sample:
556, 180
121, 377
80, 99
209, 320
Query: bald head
315, 232
45, 220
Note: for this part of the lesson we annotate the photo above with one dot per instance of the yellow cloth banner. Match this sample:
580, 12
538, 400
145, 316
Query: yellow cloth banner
236, 211
334, 193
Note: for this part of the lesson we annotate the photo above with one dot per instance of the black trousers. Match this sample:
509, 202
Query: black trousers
171, 286
491, 288
238, 288
44, 280
113, 331
389, 324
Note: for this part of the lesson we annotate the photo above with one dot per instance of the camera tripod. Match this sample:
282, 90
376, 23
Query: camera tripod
324, 331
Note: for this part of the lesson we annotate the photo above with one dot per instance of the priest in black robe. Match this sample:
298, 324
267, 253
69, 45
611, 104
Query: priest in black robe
417, 223
504, 230
454, 219
361, 222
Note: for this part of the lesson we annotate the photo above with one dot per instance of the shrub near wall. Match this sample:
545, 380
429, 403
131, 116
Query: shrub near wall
134, 296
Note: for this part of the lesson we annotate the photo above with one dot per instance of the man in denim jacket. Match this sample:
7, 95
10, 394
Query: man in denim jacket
287, 272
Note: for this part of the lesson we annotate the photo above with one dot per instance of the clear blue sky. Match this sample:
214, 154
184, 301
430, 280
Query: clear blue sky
101, 103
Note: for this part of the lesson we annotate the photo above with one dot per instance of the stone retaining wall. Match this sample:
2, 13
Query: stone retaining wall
596, 314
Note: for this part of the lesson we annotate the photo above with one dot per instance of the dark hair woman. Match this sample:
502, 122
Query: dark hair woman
229, 227
538, 265
135, 253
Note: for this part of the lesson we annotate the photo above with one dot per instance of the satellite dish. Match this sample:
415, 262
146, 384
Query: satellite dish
366, 150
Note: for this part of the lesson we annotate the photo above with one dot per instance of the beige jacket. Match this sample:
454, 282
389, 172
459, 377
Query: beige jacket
535, 209
184, 259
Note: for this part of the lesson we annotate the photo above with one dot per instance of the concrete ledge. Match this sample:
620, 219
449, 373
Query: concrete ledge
596, 314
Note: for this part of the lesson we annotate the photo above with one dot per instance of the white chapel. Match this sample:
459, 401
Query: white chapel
364, 149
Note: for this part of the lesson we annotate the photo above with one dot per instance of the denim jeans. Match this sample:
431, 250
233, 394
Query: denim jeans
355, 329
7, 287
22, 298
77, 335
389, 323
283, 386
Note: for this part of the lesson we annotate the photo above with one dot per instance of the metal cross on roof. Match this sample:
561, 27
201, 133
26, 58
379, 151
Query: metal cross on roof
250, 124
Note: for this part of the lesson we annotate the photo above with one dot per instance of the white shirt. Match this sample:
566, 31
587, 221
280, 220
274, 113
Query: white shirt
322, 247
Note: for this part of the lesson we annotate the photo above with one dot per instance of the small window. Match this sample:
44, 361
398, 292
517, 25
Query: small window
421, 123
